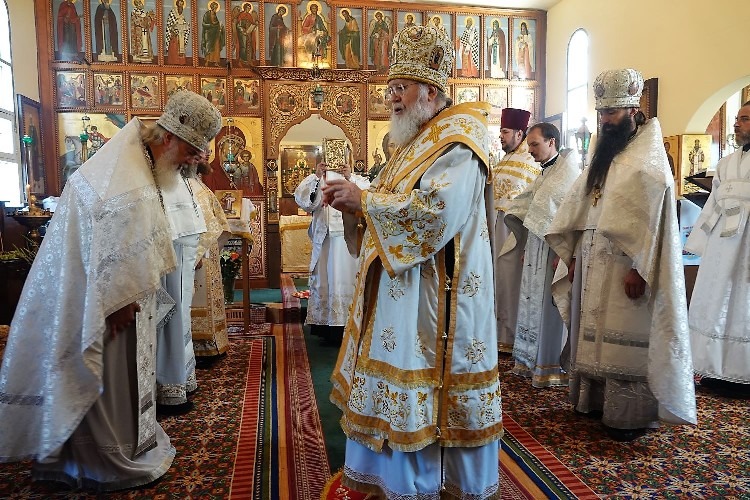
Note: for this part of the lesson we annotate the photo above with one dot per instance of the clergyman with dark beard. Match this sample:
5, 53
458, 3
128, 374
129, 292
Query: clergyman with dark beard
630, 362
419, 352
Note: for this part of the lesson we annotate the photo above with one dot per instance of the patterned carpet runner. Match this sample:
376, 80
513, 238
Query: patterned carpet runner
255, 433
206, 439
709, 460
534, 470
281, 452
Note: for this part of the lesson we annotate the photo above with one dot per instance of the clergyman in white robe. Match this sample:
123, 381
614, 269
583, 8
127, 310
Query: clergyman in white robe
75, 397
630, 358
332, 268
540, 332
175, 358
719, 316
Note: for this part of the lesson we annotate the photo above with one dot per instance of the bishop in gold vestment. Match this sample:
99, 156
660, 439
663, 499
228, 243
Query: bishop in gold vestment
417, 375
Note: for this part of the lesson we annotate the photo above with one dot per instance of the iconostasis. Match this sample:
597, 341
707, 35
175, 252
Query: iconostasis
108, 61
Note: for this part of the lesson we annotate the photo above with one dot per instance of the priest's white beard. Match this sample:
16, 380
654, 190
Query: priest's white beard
167, 167
406, 126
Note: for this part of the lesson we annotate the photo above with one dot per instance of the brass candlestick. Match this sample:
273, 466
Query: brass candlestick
32, 219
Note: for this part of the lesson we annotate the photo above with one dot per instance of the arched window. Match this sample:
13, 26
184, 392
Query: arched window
10, 183
578, 84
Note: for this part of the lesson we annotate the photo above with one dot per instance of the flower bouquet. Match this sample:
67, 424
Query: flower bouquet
231, 263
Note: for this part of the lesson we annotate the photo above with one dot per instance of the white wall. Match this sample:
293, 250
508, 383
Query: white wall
698, 50
312, 130
24, 48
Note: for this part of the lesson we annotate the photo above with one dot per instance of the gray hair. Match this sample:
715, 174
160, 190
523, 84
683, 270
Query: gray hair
442, 100
152, 134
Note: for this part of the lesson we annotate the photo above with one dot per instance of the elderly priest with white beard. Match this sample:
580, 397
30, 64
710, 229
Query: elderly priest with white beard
77, 380
417, 374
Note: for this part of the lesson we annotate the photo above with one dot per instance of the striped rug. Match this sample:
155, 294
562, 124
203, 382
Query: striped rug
534, 470
527, 471
280, 452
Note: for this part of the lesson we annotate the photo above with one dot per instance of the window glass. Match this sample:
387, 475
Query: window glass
577, 102
10, 189
6, 87
7, 142
578, 70
578, 59
4, 33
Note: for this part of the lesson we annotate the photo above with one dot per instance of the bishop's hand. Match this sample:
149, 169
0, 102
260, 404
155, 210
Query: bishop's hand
343, 196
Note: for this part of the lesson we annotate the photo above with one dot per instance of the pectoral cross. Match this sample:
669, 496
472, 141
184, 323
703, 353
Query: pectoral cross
597, 195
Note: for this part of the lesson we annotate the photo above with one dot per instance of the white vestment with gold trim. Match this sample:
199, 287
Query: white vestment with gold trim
418, 364
510, 177
207, 312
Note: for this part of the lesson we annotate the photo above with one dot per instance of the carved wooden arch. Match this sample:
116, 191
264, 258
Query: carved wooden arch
287, 105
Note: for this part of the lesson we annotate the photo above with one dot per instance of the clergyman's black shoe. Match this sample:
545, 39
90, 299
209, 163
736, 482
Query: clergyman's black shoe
624, 435
172, 410
726, 389
593, 414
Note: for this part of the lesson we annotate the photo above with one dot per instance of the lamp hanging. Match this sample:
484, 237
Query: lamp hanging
583, 139
317, 93
229, 164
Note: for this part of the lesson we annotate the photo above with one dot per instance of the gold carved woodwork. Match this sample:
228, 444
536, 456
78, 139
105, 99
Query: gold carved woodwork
336, 82
342, 106
289, 104
231, 70
303, 74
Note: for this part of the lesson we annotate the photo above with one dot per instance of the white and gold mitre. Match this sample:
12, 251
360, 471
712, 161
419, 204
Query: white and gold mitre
192, 118
619, 88
423, 54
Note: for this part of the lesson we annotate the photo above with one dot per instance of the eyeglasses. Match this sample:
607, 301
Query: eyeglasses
396, 90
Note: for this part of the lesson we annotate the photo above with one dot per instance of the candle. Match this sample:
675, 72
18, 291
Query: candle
28, 194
